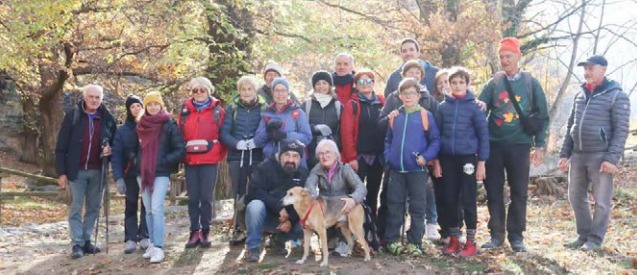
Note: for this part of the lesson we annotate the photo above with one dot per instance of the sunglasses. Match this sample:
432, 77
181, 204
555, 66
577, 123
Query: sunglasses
199, 90
365, 81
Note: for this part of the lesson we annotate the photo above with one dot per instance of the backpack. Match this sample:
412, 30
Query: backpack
185, 112
423, 117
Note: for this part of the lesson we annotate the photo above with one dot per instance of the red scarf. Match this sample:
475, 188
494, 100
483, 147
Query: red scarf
149, 133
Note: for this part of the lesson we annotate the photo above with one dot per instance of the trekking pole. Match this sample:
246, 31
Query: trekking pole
104, 160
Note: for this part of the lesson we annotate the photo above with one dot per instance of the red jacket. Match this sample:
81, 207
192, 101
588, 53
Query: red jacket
349, 127
202, 125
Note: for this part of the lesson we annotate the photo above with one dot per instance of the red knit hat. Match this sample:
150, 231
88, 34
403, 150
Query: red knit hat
510, 44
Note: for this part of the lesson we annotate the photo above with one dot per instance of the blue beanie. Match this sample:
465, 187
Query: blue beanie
280, 80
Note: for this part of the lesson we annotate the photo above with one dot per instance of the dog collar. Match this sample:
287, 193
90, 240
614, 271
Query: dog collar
309, 210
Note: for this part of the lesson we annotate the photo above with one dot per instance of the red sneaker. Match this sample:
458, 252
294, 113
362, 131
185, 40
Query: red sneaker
469, 249
194, 240
453, 247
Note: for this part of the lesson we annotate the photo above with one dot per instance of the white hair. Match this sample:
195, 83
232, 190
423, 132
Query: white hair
202, 82
247, 80
331, 145
345, 54
95, 87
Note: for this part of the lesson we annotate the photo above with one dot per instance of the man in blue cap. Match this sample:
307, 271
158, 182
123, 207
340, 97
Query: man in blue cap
595, 138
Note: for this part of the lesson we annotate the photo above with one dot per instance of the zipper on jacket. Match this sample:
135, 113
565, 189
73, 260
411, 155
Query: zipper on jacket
91, 131
453, 131
402, 145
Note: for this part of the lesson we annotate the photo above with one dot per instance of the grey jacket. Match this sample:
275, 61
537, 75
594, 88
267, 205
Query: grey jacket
598, 122
345, 183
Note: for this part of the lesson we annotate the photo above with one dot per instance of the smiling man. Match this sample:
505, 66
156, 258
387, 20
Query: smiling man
595, 138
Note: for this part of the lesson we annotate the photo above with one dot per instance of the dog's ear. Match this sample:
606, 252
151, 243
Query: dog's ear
305, 192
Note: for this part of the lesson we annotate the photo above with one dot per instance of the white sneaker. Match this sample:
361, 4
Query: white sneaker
432, 232
149, 251
144, 243
342, 249
130, 246
157, 255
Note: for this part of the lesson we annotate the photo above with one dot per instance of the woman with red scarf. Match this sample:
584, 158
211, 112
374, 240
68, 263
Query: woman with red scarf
161, 149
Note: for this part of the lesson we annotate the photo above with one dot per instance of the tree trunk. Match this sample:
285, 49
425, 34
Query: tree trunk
52, 114
30, 146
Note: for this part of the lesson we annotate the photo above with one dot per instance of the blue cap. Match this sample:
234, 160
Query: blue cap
595, 60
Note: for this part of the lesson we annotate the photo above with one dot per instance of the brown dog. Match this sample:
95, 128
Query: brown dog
314, 218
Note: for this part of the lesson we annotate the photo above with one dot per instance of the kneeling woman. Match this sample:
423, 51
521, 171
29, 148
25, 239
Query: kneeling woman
161, 148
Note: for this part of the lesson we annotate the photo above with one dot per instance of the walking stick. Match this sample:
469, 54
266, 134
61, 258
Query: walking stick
103, 190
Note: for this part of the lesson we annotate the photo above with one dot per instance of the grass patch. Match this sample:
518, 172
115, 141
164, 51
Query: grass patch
268, 265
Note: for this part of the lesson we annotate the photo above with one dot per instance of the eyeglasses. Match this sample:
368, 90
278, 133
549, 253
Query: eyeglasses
409, 94
280, 90
199, 90
365, 81
324, 154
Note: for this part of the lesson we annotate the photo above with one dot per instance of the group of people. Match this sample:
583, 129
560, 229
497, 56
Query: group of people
421, 147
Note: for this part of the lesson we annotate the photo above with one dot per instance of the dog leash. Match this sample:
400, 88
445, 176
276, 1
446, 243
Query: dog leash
309, 210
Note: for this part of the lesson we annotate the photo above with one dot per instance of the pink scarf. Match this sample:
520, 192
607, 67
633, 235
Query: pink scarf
149, 133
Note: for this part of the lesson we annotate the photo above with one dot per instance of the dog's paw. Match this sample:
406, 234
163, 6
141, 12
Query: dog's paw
367, 259
323, 264
300, 261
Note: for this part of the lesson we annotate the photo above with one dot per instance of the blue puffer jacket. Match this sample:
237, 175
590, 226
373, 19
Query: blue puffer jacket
241, 123
407, 138
463, 127
125, 146
295, 124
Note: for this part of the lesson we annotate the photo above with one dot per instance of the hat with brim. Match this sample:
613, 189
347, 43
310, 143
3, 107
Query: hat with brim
595, 60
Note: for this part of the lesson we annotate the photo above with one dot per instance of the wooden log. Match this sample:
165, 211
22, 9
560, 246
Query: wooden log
28, 175
4, 195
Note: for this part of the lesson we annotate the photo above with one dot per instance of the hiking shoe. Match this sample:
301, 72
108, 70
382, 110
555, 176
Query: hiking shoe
575, 244
453, 247
395, 248
194, 239
144, 243
238, 237
591, 246
493, 243
469, 249
205, 240
90, 248
130, 246
253, 255
517, 246
157, 255
413, 250
78, 252
432, 232
149, 251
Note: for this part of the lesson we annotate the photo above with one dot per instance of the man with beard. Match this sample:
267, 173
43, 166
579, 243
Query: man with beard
265, 211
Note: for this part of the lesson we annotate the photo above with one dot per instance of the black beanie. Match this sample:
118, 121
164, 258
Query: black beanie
292, 145
322, 75
129, 101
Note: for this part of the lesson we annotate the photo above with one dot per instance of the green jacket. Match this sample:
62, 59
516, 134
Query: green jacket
504, 121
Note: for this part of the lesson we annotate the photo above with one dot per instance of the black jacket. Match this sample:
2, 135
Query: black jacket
269, 183
172, 150
68, 148
125, 147
318, 115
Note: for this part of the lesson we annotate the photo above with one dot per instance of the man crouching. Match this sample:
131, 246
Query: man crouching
265, 211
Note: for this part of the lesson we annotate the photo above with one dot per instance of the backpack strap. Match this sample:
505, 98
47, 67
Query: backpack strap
217, 110
424, 119
295, 116
308, 107
184, 115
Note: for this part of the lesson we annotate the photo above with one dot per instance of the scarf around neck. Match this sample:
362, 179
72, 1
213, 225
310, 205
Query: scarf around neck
347, 79
201, 105
323, 99
149, 133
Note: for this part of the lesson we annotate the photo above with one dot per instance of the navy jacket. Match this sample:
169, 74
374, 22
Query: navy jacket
463, 127
241, 123
125, 147
68, 148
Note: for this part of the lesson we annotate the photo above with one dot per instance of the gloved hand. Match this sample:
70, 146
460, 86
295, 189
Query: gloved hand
121, 186
251, 144
277, 136
242, 145
322, 130
273, 126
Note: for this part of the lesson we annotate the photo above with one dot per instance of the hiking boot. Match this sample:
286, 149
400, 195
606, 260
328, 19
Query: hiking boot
194, 239
78, 252
130, 246
453, 247
205, 238
157, 255
253, 255
493, 243
148, 252
432, 232
591, 246
395, 248
469, 249
144, 243
413, 250
575, 244
517, 246
90, 248
238, 237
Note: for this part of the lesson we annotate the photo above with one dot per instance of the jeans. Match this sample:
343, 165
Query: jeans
154, 203
459, 190
132, 230
260, 220
200, 183
514, 158
86, 191
584, 171
402, 186
431, 211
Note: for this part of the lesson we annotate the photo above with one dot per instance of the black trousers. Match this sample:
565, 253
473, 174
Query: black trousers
514, 159
459, 190
372, 176
132, 230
